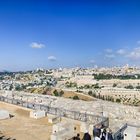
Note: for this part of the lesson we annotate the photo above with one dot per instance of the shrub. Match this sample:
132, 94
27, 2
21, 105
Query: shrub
114, 85
118, 100
96, 86
75, 97
56, 93
129, 87
137, 87
90, 92
94, 95
61, 93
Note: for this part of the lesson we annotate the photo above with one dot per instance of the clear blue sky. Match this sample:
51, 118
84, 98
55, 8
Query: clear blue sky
68, 33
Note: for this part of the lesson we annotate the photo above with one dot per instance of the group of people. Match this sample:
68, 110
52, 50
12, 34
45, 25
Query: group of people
85, 137
102, 134
98, 134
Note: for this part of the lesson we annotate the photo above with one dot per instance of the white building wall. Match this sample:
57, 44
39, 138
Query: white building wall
130, 133
37, 114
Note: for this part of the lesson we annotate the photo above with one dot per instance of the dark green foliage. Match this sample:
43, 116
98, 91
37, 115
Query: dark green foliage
11, 87
75, 97
118, 100
137, 87
96, 86
61, 93
17, 88
87, 86
70, 84
102, 76
90, 93
56, 93
110, 76
114, 85
129, 87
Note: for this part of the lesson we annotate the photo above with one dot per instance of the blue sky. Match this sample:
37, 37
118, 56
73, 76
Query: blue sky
68, 33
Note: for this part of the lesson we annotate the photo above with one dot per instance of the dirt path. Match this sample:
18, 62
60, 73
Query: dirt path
21, 127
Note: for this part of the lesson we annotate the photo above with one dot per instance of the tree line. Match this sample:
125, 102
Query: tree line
102, 76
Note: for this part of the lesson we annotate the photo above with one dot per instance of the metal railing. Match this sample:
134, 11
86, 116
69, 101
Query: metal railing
119, 135
57, 111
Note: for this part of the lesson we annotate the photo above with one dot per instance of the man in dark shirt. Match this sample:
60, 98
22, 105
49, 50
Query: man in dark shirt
86, 136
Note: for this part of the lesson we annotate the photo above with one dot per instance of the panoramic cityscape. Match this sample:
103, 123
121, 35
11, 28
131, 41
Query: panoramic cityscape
69, 70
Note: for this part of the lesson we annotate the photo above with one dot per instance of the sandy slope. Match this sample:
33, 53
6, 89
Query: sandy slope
21, 127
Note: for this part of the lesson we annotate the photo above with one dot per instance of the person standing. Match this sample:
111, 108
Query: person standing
97, 136
109, 135
103, 135
86, 136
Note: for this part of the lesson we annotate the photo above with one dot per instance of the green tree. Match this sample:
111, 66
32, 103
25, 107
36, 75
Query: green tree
75, 97
114, 85
90, 93
61, 93
17, 88
96, 85
137, 87
129, 87
11, 87
55, 92
118, 100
